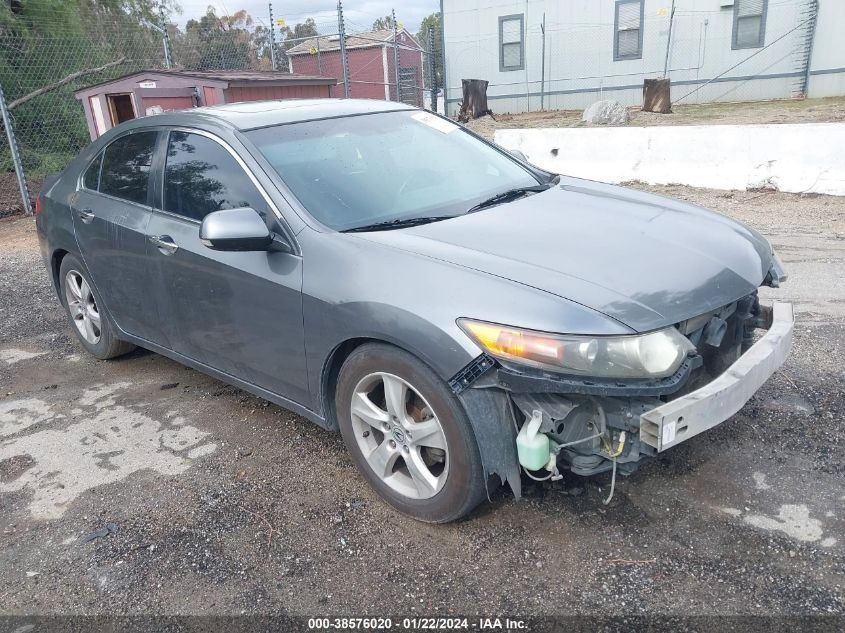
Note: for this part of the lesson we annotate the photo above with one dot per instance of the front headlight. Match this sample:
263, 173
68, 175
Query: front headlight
653, 355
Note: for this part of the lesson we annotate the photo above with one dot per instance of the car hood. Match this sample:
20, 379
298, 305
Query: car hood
641, 259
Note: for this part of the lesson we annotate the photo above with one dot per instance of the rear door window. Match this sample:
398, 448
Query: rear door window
126, 167
91, 178
201, 176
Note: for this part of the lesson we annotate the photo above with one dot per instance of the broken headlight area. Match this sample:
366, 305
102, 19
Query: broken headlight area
650, 355
585, 433
590, 425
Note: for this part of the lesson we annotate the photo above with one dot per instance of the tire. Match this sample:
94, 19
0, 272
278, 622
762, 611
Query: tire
428, 461
88, 318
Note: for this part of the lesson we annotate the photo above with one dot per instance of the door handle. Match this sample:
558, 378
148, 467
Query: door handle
86, 215
164, 243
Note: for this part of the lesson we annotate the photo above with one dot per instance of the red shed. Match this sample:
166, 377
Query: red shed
370, 56
151, 91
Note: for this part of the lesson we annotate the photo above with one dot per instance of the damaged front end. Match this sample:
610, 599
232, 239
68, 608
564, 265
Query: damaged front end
526, 417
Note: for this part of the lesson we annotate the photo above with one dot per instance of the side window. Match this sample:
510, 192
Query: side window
126, 166
628, 33
749, 23
201, 176
91, 177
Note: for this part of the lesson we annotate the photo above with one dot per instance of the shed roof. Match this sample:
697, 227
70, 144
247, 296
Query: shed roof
359, 40
257, 114
226, 76
250, 75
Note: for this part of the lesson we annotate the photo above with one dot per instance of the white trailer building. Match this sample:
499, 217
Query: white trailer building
556, 54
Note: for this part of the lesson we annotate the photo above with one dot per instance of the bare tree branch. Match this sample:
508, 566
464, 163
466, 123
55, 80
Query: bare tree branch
62, 82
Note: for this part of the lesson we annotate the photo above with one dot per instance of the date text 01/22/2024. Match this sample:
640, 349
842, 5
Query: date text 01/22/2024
417, 624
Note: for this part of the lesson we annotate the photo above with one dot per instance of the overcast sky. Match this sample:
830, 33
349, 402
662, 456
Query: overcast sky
359, 14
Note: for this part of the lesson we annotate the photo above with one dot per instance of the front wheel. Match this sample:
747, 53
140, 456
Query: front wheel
408, 434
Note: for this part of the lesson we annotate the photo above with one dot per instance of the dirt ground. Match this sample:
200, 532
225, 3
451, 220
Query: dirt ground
830, 110
10, 197
139, 486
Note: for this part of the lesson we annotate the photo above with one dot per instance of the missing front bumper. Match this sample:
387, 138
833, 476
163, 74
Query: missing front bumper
685, 417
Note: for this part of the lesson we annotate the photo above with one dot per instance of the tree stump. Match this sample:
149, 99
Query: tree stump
474, 104
657, 96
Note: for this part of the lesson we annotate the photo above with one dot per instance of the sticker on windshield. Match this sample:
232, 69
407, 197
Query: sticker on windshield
432, 121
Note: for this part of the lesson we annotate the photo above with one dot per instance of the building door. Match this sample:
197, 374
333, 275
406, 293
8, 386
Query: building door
120, 108
408, 89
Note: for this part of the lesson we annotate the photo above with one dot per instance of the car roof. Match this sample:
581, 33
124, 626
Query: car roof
255, 114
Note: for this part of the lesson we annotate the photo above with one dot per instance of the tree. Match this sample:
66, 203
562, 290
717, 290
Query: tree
432, 22
51, 48
301, 30
383, 24
218, 42
261, 44
230, 42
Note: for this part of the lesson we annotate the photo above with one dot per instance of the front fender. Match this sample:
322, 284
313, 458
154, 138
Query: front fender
329, 327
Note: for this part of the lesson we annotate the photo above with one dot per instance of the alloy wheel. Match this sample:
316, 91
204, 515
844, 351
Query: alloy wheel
399, 435
83, 307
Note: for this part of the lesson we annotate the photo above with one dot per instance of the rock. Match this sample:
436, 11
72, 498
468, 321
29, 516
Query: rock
110, 528
606, 112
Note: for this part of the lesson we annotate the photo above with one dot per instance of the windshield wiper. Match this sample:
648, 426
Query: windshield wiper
506, 196
397, 224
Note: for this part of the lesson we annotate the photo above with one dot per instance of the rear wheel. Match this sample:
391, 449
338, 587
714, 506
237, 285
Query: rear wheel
91, 323
408, 434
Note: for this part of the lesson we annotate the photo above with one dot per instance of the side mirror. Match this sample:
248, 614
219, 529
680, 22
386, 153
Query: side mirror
518, 155
236, 230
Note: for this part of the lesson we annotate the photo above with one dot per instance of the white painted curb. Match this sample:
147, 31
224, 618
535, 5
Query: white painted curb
804, 158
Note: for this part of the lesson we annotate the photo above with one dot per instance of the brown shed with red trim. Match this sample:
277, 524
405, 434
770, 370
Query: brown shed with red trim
151, 91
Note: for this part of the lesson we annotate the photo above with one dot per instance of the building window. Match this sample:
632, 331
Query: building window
628, 30
749, 23
511, 44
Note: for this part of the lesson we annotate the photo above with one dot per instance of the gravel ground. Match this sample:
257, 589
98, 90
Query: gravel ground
140, 486
830, 110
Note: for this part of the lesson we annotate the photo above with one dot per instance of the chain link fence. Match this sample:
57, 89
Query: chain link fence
45, 56
42, 61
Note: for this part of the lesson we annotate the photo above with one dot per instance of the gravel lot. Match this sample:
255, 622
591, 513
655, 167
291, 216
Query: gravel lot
829, 110
140, 486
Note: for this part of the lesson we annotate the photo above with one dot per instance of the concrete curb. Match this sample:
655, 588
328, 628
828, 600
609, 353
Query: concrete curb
803, 158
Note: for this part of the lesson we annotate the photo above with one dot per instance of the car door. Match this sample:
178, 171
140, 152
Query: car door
110, 215
238, 312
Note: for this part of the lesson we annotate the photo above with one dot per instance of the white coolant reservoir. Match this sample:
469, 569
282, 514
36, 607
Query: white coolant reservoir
533, 447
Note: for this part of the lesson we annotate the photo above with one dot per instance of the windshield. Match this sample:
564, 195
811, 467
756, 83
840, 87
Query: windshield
356, 171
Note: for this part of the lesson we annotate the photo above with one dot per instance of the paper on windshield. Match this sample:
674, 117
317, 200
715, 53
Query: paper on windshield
432, 121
